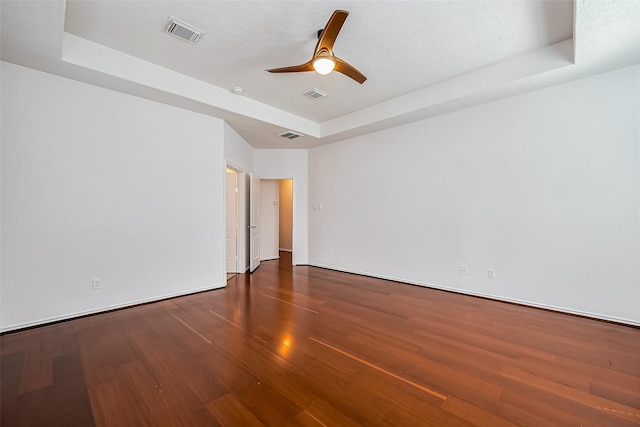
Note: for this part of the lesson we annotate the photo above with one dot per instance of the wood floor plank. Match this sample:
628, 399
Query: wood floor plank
328, 415
617, 393
538, 413
431, 374
348, 397
204, 385
116, 405
229, 411
11, 367
63, 403
431, 418
69, 393
560, 409
473, 414
545, 369
305, 419
269, 406
584, 398
414, 403
38, 371
387, 372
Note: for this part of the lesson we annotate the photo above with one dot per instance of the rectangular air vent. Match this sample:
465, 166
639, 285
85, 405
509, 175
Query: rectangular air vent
316, 94
290, 135
182, 30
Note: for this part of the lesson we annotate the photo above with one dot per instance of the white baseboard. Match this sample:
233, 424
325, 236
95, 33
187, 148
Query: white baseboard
46, 320
489, 296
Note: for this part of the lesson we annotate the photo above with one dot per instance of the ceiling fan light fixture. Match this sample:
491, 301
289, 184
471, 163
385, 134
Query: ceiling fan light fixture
324, 65
323, 61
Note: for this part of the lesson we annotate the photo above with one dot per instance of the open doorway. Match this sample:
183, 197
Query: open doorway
286, 215
276, 218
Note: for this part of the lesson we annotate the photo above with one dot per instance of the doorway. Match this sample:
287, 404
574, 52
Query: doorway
244, 219
285, 239
276, 218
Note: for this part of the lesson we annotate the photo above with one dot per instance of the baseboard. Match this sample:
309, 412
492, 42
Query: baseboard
564, 310
54, 319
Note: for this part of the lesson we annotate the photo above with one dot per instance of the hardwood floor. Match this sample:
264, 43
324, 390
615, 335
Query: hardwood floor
312, 347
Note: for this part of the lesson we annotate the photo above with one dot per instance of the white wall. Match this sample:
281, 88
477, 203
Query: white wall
237, 152
239, 155
542, 187
282, 164
269, 219
97, 184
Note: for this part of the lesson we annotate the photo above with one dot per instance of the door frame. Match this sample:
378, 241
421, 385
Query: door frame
237, 218
293, 209
243, 219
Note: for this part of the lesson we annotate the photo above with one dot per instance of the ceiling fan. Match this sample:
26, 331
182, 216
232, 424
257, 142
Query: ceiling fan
323, 60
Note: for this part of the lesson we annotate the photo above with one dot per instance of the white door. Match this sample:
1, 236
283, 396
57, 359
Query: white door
231, 229
254, 223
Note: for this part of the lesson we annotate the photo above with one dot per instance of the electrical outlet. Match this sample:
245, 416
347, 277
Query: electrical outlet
96, 284
337, 254
491, 273
464, 270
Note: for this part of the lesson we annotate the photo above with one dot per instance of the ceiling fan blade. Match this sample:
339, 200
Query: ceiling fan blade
330, 31
348, 70
293, 69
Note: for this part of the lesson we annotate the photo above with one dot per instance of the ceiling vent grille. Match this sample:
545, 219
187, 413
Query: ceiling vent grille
290, 135
316, 94
182, 30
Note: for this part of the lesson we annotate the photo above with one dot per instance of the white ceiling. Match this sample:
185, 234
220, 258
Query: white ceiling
399, 46
422, 58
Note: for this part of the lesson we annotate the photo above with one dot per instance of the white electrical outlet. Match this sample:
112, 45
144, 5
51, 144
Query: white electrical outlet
491, 273
337, 254
464, 270
96, 284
